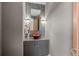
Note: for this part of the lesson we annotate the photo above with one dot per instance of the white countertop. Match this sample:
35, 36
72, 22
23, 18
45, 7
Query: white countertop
34, 39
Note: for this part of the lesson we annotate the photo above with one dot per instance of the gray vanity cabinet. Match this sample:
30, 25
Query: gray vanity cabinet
36, 48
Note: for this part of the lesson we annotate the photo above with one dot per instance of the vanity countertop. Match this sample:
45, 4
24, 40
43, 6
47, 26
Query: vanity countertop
35, 39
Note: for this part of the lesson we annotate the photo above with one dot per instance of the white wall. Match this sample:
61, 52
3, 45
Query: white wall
59, 28
0, 28
12, 28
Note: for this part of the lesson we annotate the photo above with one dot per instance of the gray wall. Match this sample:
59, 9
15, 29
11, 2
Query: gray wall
12, 28
0, 28
59, 29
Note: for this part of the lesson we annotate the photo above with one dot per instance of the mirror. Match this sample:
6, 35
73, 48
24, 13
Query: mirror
35, 15
34, 28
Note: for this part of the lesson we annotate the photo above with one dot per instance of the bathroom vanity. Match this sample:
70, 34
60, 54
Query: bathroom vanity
36, 48
35, 42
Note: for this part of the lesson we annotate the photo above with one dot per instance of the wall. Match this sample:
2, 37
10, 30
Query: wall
12, 28
59, 28
0, 28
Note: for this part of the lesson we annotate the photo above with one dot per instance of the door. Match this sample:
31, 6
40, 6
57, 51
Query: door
76, 28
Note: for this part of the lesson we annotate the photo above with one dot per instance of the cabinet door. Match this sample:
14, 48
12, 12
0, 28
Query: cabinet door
31, 48
76, 28
36, 48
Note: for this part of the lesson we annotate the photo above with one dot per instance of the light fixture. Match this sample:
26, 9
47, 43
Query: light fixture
43, 18
28, 17
27, 20
43, 21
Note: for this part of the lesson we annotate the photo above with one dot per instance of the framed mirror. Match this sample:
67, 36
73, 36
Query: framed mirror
34, 28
